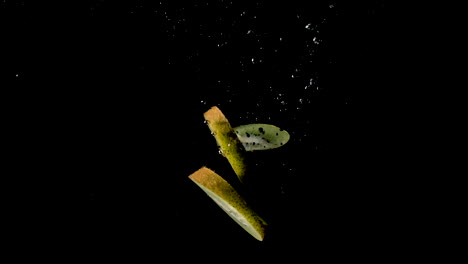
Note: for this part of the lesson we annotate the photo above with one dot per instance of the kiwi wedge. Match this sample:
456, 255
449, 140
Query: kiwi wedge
228, 142
230, 201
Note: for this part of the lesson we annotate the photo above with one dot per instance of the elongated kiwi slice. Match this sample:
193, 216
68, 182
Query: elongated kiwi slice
230, 201
229, 144
261, 136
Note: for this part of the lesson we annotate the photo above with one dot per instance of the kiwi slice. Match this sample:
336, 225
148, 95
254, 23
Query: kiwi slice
229, 144
261, 136
230, 201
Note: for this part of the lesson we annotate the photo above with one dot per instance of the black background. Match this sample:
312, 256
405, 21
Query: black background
107, 102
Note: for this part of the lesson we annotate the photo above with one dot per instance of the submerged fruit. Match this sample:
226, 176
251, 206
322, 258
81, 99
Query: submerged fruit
261, 136
227, 140
230, 201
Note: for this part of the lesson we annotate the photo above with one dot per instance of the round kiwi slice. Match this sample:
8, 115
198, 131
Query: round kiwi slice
230, 201
261, 136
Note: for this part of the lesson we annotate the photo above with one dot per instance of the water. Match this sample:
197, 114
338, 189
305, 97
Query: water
126, 99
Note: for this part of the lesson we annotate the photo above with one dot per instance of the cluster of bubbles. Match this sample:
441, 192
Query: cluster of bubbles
265, 67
